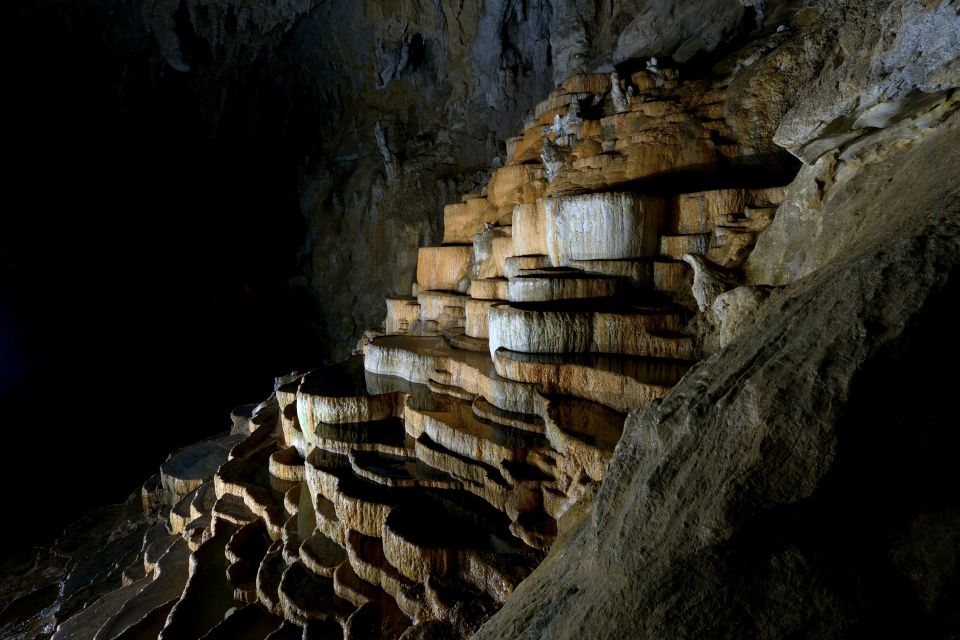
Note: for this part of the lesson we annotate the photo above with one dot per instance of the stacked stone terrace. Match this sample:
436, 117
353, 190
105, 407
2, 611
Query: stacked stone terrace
407, 491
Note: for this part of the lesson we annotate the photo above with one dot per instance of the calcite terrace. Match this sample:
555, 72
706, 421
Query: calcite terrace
407, 491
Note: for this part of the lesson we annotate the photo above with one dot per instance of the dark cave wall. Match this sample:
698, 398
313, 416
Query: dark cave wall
443, 87
138, 244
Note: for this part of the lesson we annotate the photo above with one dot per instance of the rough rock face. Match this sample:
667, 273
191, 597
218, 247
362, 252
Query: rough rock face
875, 59
678, 31
527, 447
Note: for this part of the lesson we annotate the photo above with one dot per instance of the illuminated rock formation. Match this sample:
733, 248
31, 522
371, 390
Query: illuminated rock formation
419, 482
417, 489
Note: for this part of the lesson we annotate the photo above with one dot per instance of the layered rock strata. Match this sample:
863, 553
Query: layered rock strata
528, 448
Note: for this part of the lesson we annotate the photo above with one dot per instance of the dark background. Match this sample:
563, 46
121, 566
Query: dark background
146, 250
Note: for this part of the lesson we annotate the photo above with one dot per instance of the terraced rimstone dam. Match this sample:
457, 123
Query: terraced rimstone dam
409, 490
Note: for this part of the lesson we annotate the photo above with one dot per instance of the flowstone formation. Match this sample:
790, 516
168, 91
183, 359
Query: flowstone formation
642, 387
409, 490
